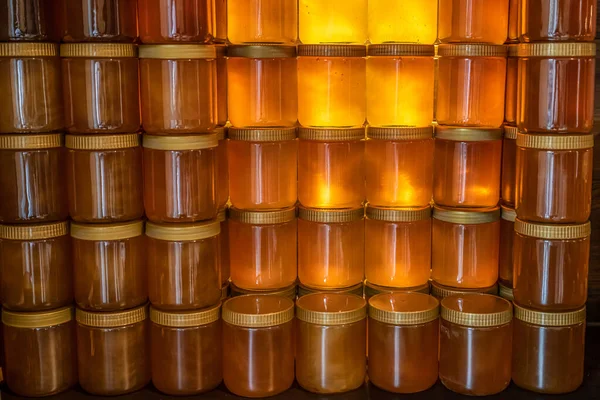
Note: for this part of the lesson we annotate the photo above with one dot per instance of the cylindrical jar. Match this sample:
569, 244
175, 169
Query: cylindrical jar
509, 165
262, 21
357, 290
441, 292
407, 21
176, 21
224, 262
557, 20
513, 21
222, 87
512, 85
507, 236
288, 292
475, 21
221, 21
222, 171
332, 21
100, 21
29, 20
373, 290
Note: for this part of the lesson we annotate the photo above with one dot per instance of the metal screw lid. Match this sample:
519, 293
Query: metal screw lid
21, 49
32, 320
579, 49
262, 134
258, 311
550, 319
288, 292
506, 292
96, 232
222, 214
508, 214
261, 51
331, 216
102, 142
183, 232
555, 142
98, 50
471, 50
466, 215
262, 217
331, 308
331, 134
510, 132
401, 49
180, 143
441, 291
399, 133
553, 232
404, 308
221, 133
467, 134
111, 319
34, 232
512, 50
332, 50
30, 142
177, 51
398, 214
476, 310
186, 319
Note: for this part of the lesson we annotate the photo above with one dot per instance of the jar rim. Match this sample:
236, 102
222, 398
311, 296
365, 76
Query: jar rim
471, 50
555, 142
304, 290
180, 143
257, 50
466, 216
399, 132
510, 132
98, 50
409, 214
332, 50
177, 51
266, 217
372, 289
331, 215
260, 311
553, 231
463, 134
42, 319
222, 214
489, 310
221, 132
278, 134
399, 308
95, 232
183, 232
111, 319
34, 231
31, 142
186, 319
550, 319
442, 291
28, 49
557, 49
508, 213
401, 49
331, 308
331, 134
505, 292
512, 50
287, 292
102, 142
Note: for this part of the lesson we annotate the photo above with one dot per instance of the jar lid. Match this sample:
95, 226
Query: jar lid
510, 132
222, 214
304, 290
555, 142
505, 292
579, 49
186, 319
404, 308
225, 291
34, 232
180, 143
178, 51
508, 214
30, 142
372, 289
221, 50
399, 133
398, 214
553, 231
442, 291
262, 51
262, 134
467, 134
111, 319
471, 50
512, 50
262, 217
332, 50
221, 133
401, 49
33, 320
98, 50
331, 308
101, 232
329, 216
466, 215
331, 134
476, 310
183, 232
550, 319
20, 49
258, 311
288, 292
102, 142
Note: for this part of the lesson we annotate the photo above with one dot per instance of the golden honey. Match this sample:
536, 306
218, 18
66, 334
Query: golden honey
509, 165
262, 21
512, 85
407, 21
168, 21
332, 21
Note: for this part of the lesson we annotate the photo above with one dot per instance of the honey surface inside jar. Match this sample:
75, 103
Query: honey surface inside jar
407, 21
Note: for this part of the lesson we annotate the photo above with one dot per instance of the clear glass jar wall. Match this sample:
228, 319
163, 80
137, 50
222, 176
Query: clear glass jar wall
475, 21
557, 20
100, 21
176, 21
262, 21
30, 20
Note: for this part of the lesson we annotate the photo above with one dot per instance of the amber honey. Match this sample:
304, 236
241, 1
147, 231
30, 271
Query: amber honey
513, 21
221, 21
222, 170
100, 21
30, 20
473, 21
222, 217
262, 21
507, 236
357, 290
412, 21
512, 85
167, 21
222, 86
557, 20
509, 165
332, 21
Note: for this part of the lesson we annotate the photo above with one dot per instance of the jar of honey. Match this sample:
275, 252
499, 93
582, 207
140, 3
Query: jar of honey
258, 345
506, 292
400, 84
183, 265
332, 21
225, 291
476, 344
221, 21
441, 292
373, 290
263, 168
332, 83
513, 21
180, 175
100, 87
403, 341
467, 167
556, 87
509, 165
331, 342
222, 172
472, 83
222, 217
178, 88
288, 292
33, 168
507, 235
40, 356
412, 21
399, 166
262, 21
100, 21
548, 350
176, 21
30, 20
222, 89
109, 266
356, 290
466, 247
512, 84
186, 351
559, 170
104, 178
331, 167
113, 351
331, 247
30, 83
474, 21
556, 20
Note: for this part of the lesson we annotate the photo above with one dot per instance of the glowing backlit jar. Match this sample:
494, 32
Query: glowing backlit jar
509, 165
262, 21
221, 85
186, 351
466, 247
258, 345
29, 20
287, 292
400, 85
109, 266
507, 236
467, 167
356, 290
331, 247
40, 356
104, 178
441, 292
113, 351
403, 341
176, 21
472, 83
180, 175
557, 169
548, 350
512, 85
221, 21
399, 243
183, 265
513, 21
475, 21
506, 292
332, 21
30, 83
331, 167
557, 20
332, 85
222, 171
178, 88
412, 21
100, 21
263, 168
556, 87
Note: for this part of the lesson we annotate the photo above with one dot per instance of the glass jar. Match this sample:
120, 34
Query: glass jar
466, 247
467, 167
178, 88
512, 85
183, 265
104, 178
177, 21
258, 345
332, 84
400, 84
509, 165
556, 87
263, 168
403, 341
222, 173
474, 21
356, 290
109, 266
332, 21
548, 350
476, 344
557, 169
180, 175
412, 21
441, 292
557, 20
507, 236
113, 351
262, 85
506, 292
100, 87
225, 292
399, 166
472, 84
40, 357
331, 342
30, 83
29, 20
224, 262
399, 243
513, 21
262, 21
32, 168
263, 248
373, 290
287, 292
221, 21
186, 351
331, 167
222, 89
100, 21
36, 266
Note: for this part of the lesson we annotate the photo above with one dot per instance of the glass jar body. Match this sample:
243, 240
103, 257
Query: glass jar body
408, 21
176, 21
29, 20
100, 21
332, 21
262, 21
512, 87
506, 266
557, 20
222, 176
224, 252
509, 170
513, 21
222, 88
473, 21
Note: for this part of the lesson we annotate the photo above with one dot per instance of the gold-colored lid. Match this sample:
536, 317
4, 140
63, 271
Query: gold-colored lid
262, 134
262, 51
111, 319
221, 133
331, 134
553, 231
287, 292
372, 289
331, 308
183, 232
32, 320
467, 134
100, 232
186, 319
466, 215
404, 308
177, 51
332, 50
471, 50
30, 142
98, 50
258, 311
442, 291
262, 217
34, 232
505, 292
180, 143
510, 132
222, 214
512, 50
102, 142
399, 133
401, 49
476, 310
304, 290
398, 214
20, 49
508, 214
331, 216
550, 319
555, 142
578, 49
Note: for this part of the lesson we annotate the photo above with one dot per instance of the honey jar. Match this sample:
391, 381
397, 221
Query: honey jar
557, 20
357, 290
224, 263
507, 236
441, 292
221, 84
100, 21
176, 21
412, 21
332, 21
373, 290
221, 21
475, 21
262, 21
509, 165
512, 84
29, 20
513, 21
222, 172
288, 292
